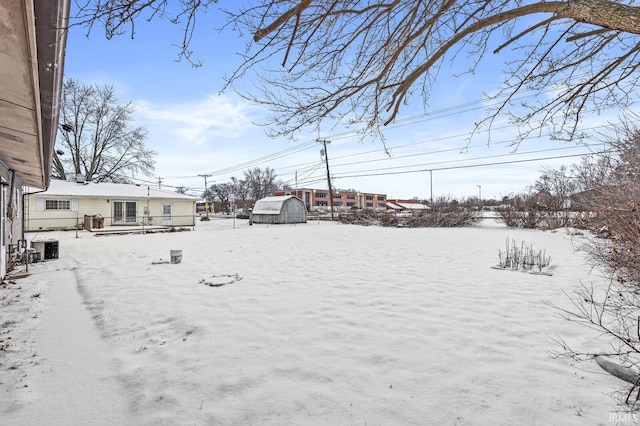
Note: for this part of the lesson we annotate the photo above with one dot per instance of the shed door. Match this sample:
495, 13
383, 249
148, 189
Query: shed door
166, 214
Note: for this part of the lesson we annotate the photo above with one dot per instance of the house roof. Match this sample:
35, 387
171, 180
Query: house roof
271, 205
406, 205
61, 188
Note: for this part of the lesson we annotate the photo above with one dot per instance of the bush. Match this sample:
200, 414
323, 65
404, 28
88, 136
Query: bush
446, 217
522, 257
611, 200
523, 217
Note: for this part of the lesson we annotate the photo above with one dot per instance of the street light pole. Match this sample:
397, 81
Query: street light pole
479, 196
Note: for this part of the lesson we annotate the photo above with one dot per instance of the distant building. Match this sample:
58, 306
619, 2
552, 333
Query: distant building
318, 198
281, 209
65, 204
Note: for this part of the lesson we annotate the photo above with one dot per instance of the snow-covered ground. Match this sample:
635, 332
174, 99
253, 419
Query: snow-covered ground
316, 324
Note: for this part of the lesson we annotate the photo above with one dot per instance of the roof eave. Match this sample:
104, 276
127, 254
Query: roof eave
51, 21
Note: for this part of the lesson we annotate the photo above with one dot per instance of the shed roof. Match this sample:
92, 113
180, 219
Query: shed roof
61, 188
271, 205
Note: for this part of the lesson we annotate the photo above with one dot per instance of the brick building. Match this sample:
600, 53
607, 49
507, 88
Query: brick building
317, 198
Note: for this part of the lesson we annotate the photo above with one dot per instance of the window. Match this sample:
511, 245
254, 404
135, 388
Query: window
337, 195
381, 205
57, 204
337, 204
351, 196
321, 195
321, 203
351, 204
380, 197
370, 205
369, 197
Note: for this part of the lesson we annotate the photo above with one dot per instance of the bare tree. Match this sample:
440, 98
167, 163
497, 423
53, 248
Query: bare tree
261, 183
361, 61
615, 206
592, 171
612, 204
95, 139
257, 183
222, 192
559, 186
242, 192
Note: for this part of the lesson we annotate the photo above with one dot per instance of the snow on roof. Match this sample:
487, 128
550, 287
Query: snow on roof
270, 205
398, 205
61, 188
414, 206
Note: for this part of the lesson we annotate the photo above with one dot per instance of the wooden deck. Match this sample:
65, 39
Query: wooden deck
123, 230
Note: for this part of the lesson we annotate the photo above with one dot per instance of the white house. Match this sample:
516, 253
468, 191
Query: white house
65, 205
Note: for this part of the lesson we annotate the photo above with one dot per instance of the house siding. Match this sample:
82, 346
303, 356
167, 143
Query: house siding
11, 213
77, 206
183, 213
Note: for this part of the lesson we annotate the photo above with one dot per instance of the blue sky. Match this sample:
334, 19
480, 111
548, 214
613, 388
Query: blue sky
196, 130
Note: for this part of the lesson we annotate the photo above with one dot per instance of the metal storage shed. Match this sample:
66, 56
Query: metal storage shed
284, 209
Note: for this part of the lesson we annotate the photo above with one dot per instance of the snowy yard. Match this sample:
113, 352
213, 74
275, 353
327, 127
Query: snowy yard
317, 324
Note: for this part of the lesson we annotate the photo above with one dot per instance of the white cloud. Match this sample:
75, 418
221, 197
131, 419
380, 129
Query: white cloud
198, 122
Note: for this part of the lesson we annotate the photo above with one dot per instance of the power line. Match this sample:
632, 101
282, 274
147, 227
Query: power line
421, 118
475, 165
459, 149
340, 175
482, 158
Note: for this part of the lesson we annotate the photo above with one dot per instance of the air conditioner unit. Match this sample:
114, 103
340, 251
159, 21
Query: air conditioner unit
46, 249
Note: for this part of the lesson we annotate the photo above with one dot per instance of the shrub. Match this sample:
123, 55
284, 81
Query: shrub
442, 217
522, 257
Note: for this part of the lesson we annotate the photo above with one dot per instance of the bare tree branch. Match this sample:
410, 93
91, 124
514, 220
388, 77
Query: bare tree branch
360, 62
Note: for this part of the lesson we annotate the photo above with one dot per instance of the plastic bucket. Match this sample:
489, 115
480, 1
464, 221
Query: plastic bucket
176, 256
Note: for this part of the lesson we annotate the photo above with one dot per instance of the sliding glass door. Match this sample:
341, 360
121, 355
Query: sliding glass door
125, 212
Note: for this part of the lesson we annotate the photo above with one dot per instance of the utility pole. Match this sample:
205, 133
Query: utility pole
159, 182
324, 142
205, 176
431, 185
